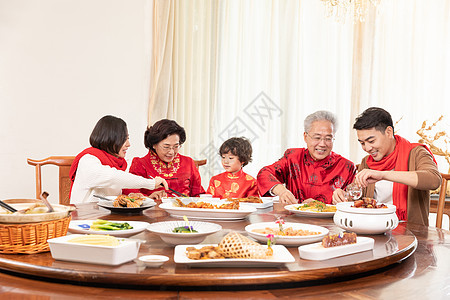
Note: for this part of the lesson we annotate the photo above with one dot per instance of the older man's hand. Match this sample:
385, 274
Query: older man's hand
286, 197
339, 196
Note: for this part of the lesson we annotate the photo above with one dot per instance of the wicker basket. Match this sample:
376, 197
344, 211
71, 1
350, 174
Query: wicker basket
31, 238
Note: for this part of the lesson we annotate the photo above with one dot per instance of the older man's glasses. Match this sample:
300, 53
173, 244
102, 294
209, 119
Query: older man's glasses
316, 139
167, 148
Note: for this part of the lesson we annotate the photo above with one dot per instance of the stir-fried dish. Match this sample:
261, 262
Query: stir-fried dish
251, 199
201, 204
316, 206
131, 200
288, 231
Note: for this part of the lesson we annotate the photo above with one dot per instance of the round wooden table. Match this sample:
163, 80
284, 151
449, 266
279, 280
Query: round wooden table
368, 273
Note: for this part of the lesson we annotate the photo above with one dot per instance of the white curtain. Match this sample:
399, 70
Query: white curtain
406, 66
258, 68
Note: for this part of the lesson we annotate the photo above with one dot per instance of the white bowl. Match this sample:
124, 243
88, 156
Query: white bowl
365, 220
164, 230
153, 261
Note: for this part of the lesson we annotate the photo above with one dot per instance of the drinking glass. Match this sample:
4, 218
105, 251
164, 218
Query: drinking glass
354, 191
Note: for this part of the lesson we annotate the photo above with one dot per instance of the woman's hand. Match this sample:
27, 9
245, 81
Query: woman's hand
158, 195
339, 196
161, 181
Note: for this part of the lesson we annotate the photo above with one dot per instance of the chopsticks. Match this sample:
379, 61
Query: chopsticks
173, 191
7, 206
100, 197
178, 193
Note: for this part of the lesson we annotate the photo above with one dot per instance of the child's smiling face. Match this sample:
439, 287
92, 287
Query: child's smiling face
231, 163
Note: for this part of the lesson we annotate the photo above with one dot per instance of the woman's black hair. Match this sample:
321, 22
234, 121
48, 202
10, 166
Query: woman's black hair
160, 131
374, 117
109, 134
238, 146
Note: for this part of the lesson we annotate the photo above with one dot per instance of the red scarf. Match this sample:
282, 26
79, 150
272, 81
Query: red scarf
104, 157
398, 161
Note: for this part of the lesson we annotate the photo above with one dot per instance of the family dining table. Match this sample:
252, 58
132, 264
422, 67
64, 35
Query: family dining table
410, 262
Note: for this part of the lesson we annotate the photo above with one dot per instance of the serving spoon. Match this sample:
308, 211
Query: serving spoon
43, 197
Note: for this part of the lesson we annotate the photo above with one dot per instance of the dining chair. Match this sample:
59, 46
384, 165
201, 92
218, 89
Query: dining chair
199, 163
64, 163
441, 201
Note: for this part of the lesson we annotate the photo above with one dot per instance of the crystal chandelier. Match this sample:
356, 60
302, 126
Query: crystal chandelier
357, 8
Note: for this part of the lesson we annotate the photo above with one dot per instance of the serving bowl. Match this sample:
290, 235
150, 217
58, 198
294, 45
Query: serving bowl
153, 261
165, 231
61, 211
365, 220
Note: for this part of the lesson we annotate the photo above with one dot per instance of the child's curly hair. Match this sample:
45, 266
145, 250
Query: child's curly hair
239, 146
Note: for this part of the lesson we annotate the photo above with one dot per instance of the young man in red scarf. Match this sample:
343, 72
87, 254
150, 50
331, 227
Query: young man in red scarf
309, 173
395, 171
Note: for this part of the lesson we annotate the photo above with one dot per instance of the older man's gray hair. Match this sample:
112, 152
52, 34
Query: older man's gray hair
319, 116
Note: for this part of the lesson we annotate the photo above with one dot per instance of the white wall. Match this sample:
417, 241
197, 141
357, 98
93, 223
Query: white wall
63, 65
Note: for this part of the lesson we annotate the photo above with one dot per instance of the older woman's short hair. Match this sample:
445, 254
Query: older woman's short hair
109, 134
319, 116
160, 131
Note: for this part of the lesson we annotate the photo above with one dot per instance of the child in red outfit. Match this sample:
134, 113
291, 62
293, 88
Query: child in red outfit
234, 183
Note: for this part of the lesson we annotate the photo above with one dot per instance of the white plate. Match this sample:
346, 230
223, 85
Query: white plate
61, 249
112, 198
305, 213
165, 231
267, 202
81, 226
317, 252
281, 256
109, 205
188, 199
287, 240
205, 213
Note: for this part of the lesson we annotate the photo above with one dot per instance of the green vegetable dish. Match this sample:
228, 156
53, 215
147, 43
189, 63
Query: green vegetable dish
108, 225
184, 229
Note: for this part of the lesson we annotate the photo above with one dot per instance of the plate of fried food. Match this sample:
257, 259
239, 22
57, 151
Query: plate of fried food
313, 208
114, 228
234, 250
207, 209
132, 203
289, 234
258, 202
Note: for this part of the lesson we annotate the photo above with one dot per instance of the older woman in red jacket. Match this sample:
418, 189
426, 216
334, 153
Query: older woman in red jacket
164, 140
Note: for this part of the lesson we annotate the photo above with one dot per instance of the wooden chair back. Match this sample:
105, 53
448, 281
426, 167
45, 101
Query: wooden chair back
64, 163
199, 163
441, 201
